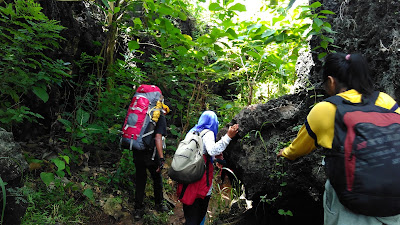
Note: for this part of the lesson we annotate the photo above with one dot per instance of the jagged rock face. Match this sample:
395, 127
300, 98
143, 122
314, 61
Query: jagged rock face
12, 167
371, 28
12, 162
296, 186
368, 27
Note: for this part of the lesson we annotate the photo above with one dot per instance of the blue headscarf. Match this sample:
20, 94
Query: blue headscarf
207, 120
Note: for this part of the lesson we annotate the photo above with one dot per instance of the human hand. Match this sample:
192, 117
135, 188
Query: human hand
233, 130
161, 166
280, 153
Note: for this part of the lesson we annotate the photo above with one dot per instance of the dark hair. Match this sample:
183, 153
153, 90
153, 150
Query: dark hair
350, 70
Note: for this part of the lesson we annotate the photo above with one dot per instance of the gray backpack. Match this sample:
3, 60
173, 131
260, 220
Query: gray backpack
188, 164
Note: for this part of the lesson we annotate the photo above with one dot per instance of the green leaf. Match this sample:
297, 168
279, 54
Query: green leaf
214, 7
41, 93
182, 92
328, 29
166, 10
318, 22
105, 2
82, 116
182, 16
322, 55
89, 193
60, 173
133, 45
47, 178
117, 9
59, 163
268, 33
188, 37
327, 12
181, 50
66, 158
238, 7
179, 106
315, 5
232, 33
254, 54
137, 21
324, 44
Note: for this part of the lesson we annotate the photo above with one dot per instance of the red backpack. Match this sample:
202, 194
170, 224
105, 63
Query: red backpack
141, 118
363, 165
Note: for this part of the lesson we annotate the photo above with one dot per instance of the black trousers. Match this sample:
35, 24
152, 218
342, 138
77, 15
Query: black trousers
144, 162
195, 213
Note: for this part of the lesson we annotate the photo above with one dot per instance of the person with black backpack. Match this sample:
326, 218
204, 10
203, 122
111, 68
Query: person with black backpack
359, 128
195, 196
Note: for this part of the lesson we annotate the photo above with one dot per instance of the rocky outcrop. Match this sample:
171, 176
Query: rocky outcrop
12, 168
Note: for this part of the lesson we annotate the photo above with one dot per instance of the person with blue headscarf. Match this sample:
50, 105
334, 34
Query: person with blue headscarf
199, 191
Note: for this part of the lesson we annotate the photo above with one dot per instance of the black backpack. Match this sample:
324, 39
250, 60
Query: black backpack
363, 165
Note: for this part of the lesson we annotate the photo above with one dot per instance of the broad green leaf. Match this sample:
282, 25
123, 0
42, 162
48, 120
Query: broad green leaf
117, 9
59, 163
315, 5
182, 92
66, 123
255, 55
214, 7
60, 173
187, 37
318, 22
181, 50
324, 44
41, 93
322, 55
47, 178
268, 33
82, 116
179, 106
137, 21
238, 7
66, 158
89, 193
182, 16
77, 149
133, 45
165, 10
232, 33
105, 2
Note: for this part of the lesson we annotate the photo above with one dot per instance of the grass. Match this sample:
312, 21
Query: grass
46, 206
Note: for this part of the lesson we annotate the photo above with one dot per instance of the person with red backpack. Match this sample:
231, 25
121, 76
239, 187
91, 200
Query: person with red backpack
359, 128
195, 196
143, 131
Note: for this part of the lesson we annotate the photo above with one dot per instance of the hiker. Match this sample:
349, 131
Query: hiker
152, 160
346, 76
194, 213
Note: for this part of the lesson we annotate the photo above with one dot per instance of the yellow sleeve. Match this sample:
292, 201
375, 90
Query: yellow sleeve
317, 131
384, 100
302, 145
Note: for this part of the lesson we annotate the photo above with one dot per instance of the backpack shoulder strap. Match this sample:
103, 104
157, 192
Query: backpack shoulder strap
372, 98
336, 100
204, 132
